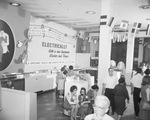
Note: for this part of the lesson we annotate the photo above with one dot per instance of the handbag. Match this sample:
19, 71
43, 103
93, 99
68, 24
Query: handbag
146, 106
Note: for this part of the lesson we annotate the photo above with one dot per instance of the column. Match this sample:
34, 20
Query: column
140, 55
130, 55
104, 45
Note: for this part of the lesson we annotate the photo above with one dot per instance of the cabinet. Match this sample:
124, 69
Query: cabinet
40, 82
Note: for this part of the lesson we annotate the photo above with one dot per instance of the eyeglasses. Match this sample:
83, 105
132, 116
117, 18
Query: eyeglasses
99, 108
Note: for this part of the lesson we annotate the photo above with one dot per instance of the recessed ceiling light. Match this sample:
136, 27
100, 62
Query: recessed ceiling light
144, 6
90, 12
49, 16
60, 1
14, 4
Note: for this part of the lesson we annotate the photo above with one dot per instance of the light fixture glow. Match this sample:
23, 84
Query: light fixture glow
15, 4
59, 1
90, 12
144, 6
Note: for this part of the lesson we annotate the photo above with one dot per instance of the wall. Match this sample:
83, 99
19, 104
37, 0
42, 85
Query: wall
18, 20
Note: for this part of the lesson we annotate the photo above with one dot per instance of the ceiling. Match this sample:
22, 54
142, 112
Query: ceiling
73, 13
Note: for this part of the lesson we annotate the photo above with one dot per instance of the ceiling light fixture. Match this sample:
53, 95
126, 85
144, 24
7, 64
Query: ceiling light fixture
90, 12
15, 4
144, 6
60, 1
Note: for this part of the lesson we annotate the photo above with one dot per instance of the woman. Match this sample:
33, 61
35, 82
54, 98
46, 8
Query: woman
120, 95
83, 103
144, 114
60, 81
72, 100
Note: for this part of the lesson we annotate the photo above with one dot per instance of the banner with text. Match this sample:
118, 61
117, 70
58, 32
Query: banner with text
49, 46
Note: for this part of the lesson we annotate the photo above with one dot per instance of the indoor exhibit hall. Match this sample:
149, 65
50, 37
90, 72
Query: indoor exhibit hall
74, 59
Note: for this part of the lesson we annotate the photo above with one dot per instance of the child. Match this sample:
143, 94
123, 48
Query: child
84, 103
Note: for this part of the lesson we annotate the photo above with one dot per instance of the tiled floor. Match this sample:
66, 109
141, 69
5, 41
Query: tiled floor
50, 108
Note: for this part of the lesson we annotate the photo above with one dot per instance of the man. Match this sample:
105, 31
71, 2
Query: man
135, 90
101, 106
108, 87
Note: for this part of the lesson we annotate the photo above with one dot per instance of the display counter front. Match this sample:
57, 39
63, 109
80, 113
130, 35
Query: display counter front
31, 82
40, 82
17, 83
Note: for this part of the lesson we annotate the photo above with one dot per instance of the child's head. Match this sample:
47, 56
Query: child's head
83, 91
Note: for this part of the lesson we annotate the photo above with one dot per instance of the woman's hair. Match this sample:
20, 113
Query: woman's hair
139, 70
70, 67
83, 89
102, 99
147, 71
146, 80
62, 69
95, 87
65, 72
121, 80
72, 88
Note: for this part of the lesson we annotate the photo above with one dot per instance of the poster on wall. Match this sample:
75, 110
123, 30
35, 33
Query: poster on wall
6, 45
50, 47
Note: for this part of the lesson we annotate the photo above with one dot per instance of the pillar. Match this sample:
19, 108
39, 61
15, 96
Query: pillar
104, 45
140, 53
130, 55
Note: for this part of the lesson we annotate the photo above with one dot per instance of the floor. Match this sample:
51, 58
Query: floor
49, 107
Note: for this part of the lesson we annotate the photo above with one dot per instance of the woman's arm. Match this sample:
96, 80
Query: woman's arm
132, 88
68, 97
148, 93
126, 93
103, 88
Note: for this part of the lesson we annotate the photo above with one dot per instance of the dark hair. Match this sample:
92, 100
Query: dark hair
72, 88
146, 80
122, 76
83, 89
70, 67
95, 87
139, 70
147, 71
121, 80
65, 72
62, 69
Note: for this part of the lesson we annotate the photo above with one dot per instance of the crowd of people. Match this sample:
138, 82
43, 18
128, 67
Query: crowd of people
114, 98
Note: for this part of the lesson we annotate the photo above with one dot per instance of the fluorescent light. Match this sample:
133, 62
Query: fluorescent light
15, 4
90, 12
144, 6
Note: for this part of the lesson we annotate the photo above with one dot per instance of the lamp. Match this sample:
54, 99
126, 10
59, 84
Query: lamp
15, 4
